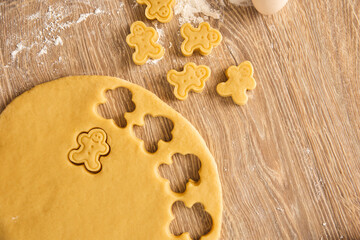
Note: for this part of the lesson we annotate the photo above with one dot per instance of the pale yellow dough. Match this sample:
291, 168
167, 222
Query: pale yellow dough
43, 195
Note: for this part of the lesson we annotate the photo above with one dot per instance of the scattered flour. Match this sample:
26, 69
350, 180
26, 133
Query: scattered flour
43, 51
56, 19
58, 41
98, 11
19, 48
189, 11
84, 16
161, 33
34, 16
244, 3
153, 61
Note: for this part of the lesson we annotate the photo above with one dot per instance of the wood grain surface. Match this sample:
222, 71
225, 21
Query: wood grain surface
289, 161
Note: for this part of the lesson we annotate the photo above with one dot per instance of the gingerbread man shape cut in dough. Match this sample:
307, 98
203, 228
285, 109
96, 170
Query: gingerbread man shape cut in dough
204, 38
143, 39
92, 145
162, 10
191, 78
240, 79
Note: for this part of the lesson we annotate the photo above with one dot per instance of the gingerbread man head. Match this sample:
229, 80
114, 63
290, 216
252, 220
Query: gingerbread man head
138, 29
201, 71
164, 11
98, 137
213, 36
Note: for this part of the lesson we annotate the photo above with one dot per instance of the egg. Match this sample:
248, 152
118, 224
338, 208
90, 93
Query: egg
268, 7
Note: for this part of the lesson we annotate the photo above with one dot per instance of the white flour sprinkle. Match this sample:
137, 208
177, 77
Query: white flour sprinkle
160, 32
189, 11
58, 41
153, 61
34, 16
84, 16
98, 11
43, 51
121, 8
19, 48
55, 20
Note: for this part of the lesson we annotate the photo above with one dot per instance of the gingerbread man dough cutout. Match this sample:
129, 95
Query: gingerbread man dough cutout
204, 38
240, 79
192, 78
92, 145
143, 39
162, 10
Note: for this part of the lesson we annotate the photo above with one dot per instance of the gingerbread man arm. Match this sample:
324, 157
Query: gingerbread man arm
174, 79
81, 140
157, 50
186, 31
152, 35
105, 148
131, 40
84, 139
250, 83
224, 89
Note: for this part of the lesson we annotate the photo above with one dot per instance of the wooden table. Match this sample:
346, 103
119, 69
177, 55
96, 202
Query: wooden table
289, 161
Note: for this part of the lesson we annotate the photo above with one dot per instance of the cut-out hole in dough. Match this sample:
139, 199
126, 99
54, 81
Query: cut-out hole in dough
154, 130
118, 103
183, 168
195, 220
